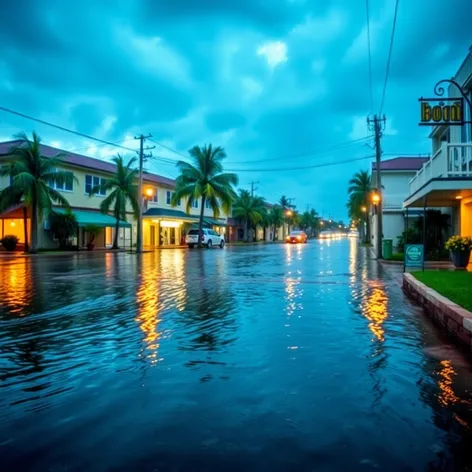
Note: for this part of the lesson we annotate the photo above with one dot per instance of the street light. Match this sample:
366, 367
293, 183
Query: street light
363, 209
289, 213
149, 192
376, 198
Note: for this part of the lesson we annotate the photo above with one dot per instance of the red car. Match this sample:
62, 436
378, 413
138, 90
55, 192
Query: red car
297, 237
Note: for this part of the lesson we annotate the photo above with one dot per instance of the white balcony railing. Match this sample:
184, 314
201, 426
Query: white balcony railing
449, 161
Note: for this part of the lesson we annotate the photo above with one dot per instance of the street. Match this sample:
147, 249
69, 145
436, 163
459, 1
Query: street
267, 357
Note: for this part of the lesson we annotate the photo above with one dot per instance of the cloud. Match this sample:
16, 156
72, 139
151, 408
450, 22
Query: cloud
264, 79
275, 52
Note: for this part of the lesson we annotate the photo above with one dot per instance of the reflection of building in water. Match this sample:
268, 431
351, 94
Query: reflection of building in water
148, 311
16, 286
374, 308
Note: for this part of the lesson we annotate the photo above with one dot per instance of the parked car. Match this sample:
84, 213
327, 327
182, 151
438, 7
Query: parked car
326, 235
210, 238
297, 237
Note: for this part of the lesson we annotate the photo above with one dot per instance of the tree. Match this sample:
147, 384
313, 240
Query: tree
63, 225
249, 209
265, 222
32, 175
355, 213
122, 190
205, 179
360, 186
276, 217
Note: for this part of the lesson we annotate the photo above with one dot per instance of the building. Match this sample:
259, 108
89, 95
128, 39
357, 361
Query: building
163, 224
395, 176
445, 180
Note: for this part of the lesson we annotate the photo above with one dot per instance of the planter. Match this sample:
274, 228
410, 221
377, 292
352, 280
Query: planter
90, 246
460, 259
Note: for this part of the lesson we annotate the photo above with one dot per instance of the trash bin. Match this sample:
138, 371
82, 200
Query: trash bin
387, 248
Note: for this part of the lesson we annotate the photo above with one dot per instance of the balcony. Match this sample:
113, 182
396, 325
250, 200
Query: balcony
450, 161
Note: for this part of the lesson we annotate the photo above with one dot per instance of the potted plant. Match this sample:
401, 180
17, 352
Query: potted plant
92, 231
9, 242
459, 247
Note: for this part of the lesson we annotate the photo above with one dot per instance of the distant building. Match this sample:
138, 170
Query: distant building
395, 176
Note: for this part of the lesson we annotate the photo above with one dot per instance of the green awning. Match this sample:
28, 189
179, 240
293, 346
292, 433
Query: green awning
170, 214
213, 222
86, 217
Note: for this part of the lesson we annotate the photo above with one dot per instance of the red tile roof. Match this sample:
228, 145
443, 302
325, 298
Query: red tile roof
84, 161
402, 163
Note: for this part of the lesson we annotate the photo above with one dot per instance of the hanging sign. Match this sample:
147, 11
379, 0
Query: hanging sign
441, 111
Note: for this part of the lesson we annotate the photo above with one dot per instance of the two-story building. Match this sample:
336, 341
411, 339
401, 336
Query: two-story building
395, 176
445, 180
163, 224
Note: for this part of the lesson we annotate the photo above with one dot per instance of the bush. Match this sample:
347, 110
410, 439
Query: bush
9, 242
63, 225
459, 243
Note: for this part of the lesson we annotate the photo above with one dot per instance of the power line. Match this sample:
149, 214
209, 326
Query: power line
168, 148
370, 55
387, 72
302, 167
65, 129
306, 154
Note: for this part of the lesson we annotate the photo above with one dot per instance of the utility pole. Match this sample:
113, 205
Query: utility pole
253, 189
376, 124
139, 236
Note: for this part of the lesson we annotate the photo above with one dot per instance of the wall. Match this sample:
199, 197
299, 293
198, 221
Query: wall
395, 188
466, 217
393, 226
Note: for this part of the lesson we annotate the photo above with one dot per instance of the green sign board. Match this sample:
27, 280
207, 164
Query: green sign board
414, 255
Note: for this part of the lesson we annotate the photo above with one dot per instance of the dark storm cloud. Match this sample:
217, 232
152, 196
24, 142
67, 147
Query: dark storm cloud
192, 72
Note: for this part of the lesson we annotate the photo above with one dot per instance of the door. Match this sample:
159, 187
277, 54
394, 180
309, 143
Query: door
153, 235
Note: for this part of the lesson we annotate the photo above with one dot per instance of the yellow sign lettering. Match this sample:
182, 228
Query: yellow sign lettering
441, 113
425, 112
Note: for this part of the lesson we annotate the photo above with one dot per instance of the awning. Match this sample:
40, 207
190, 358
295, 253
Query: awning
85, 218
213, 222
165, 213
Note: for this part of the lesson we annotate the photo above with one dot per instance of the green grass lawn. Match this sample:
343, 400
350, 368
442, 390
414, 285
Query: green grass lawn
457, 286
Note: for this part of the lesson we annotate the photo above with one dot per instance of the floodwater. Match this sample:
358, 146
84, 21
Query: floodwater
258, 358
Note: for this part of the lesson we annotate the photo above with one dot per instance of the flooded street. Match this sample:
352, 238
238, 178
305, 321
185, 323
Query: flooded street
258, 358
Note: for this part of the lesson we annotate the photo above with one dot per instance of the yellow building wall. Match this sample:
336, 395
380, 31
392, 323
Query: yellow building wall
466, 217
14, 227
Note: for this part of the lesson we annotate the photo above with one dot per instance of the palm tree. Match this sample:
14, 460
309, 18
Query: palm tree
249, 209
205, 180
285, 204
355, 213
360, 185
122, 190
31, 176
276, 217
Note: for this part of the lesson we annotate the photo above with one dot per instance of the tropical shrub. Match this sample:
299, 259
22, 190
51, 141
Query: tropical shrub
9, 242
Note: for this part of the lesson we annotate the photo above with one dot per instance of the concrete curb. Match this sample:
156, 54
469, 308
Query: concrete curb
454, 319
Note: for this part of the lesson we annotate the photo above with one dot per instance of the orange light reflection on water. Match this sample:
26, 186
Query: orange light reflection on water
375, 309
16, 285
446, 393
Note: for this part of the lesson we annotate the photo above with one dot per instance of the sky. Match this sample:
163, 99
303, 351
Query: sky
279, 84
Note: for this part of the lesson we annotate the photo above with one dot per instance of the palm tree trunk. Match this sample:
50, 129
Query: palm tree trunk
246, 231
115, 239
25, 225
34, 225
200, 222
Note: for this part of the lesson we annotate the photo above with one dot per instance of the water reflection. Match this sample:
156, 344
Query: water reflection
446, 393
374, 308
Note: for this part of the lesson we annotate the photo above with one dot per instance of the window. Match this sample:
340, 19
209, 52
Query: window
10, 176
207, 205
195, 204
92, 181
169, 196
67, 184
153, 197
